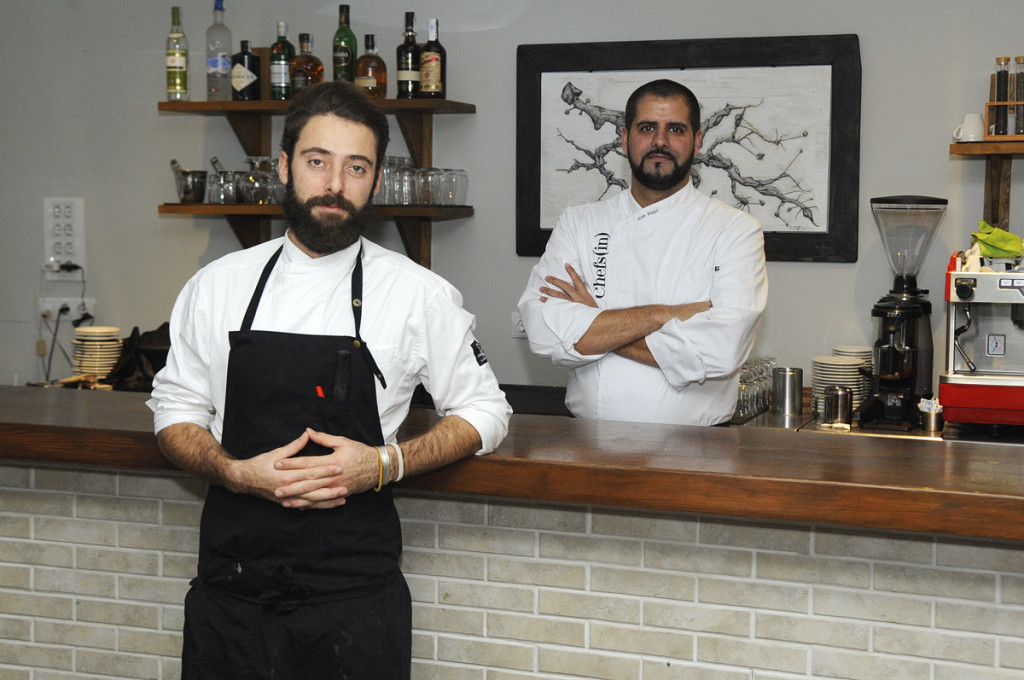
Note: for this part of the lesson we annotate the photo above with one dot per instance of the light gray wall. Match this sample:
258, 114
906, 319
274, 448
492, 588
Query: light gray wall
82, 79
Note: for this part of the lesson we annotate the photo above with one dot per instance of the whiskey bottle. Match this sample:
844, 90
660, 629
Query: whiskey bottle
407, 75
245, 75
218, 57
433, 65
371, 71
281, 54
305, 68
344, 48
177, 60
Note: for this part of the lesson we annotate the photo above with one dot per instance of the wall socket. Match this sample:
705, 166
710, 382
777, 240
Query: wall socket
64, 238
49, 307
518, 329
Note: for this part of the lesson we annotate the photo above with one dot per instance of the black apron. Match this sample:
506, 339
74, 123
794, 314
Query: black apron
285, 593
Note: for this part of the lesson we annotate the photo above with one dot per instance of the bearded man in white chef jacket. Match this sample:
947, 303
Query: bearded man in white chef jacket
651, 298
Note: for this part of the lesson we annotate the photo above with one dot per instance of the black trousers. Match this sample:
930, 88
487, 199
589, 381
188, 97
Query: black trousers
359, 638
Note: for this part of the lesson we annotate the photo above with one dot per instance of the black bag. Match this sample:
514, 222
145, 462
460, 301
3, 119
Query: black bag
142, 356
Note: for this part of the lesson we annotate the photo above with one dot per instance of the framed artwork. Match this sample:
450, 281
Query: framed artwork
781, 121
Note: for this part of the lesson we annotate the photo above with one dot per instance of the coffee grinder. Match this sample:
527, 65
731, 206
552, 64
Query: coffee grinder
901, 371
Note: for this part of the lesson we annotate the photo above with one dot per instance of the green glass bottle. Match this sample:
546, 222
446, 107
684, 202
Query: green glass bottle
177, 59
345, 48
281, 54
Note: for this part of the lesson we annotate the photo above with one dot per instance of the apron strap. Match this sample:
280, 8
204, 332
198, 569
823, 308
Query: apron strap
357, 314
357, 306
254, 303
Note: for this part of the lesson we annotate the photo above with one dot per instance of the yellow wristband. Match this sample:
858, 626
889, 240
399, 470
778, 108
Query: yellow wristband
380, 474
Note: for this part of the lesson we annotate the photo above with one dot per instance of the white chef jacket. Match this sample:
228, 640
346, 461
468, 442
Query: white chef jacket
412, 321
685, 248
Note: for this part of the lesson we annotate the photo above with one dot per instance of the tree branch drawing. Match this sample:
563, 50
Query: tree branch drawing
730, 138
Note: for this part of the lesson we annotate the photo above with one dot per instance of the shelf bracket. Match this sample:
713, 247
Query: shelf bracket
250, 230
998, 170
415, 233
253, 131
418, 131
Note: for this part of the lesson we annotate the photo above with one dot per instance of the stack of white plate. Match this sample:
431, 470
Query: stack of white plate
97, 349
838, 370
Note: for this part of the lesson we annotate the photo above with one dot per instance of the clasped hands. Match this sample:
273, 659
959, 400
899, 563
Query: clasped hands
310, 482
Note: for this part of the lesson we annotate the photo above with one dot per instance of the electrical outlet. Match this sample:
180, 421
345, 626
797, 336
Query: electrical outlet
77, 307
64, 239
518, 329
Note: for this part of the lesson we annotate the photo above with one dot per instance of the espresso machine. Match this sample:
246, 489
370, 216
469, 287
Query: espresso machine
901, 356
984, 377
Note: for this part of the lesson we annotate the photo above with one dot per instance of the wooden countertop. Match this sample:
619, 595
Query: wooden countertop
920, 485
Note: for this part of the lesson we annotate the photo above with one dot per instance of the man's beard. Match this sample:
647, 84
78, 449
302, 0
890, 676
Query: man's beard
659, 182
329, 233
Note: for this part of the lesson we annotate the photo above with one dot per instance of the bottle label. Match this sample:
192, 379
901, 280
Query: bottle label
241, 77
278, 73
342, 56
177, 72
219, 64
366, 82
430, 72
177, 59
409, 75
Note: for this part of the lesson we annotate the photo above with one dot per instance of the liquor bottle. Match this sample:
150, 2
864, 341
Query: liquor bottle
371, 71
245, 75
281, 54
218, 57
305, 69
344, 48
407, 76
433, 65
177, 60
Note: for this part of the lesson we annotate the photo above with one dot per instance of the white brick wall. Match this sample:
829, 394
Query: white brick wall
94, 566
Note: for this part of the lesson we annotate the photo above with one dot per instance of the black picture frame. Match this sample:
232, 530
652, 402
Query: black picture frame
840, 52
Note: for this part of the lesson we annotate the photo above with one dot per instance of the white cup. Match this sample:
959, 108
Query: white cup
972, 129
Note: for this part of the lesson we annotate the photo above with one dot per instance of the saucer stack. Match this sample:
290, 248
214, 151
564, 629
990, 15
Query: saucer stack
842, 370
862, 352
97, 349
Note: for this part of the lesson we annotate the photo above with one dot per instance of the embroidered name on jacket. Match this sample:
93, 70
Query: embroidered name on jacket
600, 264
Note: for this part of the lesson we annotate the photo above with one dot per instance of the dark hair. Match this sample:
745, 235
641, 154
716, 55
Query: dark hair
665, 89
338, 98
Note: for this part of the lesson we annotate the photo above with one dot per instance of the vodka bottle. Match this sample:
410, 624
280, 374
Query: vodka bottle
218, 57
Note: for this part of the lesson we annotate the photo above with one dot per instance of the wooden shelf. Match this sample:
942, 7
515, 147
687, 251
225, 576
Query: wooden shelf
986, 148
251, 123
998, 172
274, 107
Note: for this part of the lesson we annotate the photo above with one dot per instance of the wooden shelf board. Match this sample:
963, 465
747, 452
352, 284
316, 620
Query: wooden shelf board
437, 213
273, 107
1000, 148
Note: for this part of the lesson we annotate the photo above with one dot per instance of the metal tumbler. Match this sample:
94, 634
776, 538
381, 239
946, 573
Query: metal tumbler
787, 391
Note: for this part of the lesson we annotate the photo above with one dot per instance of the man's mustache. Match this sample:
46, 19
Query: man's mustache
332, 201
660, 151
